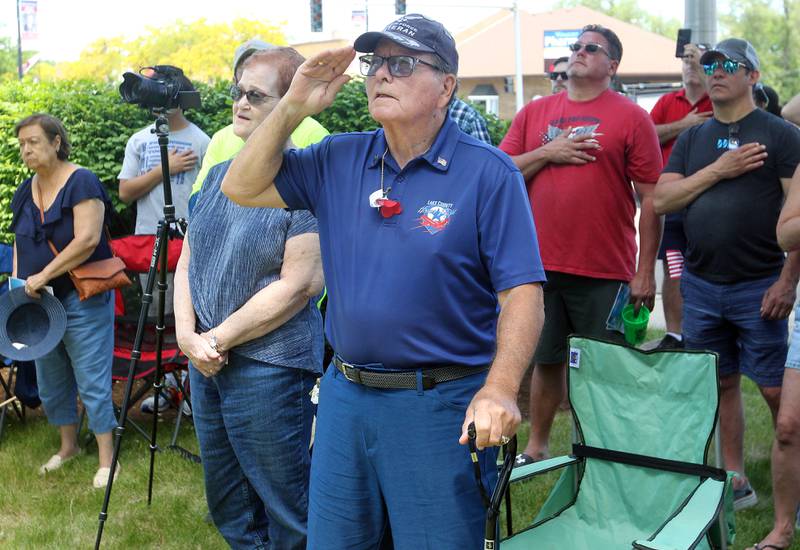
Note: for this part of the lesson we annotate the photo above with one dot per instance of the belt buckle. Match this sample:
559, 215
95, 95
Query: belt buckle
351, 373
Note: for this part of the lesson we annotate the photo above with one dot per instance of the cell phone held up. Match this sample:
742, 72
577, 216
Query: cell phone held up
684, 37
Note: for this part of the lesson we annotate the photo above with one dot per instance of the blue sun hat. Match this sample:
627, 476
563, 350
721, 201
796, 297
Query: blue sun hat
30, 327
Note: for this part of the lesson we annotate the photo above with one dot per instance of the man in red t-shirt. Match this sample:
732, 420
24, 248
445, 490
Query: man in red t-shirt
579, 152
672, 114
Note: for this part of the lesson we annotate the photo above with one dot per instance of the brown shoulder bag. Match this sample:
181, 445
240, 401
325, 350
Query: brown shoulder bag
93, 277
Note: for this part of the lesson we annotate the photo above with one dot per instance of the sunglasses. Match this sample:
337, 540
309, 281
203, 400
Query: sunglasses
591, 47
729, 66
556, 75
733, 136
254, 98
398, 65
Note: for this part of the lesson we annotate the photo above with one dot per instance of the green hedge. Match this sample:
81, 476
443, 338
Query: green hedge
99, 125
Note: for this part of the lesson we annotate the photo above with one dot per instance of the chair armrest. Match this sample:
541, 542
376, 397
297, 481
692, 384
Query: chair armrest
690, 522
529, 470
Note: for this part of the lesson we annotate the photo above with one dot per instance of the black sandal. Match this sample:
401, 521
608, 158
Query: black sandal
523, 460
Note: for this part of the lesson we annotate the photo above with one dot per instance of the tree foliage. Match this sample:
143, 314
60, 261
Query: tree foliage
203, 50
349, 113
770, 27
630, 12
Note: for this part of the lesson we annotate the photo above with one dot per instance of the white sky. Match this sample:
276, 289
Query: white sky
68, 26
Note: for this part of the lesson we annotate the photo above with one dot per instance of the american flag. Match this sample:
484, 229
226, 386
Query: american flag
674, 263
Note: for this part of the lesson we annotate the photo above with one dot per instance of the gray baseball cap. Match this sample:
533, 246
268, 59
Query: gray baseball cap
735, 49
247, 49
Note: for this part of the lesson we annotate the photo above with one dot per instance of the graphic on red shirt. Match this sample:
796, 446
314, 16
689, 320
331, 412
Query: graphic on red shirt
584, 214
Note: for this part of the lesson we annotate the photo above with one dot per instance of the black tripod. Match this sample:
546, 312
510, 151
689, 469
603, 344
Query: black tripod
158, 264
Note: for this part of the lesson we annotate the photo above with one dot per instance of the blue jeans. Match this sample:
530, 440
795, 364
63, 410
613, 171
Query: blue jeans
726, 319
392, 457
81, 364
253, 422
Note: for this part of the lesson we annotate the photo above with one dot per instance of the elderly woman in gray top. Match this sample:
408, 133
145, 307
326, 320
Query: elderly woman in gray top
246, 318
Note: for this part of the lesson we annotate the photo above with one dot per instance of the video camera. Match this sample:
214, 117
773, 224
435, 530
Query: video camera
159, 87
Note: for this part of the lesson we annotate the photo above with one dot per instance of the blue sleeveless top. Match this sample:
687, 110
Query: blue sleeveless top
33, 252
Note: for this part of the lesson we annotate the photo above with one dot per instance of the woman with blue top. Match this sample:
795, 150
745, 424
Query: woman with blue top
66, 205
246, 318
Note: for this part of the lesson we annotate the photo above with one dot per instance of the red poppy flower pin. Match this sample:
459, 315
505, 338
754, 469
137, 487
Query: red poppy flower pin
389, 207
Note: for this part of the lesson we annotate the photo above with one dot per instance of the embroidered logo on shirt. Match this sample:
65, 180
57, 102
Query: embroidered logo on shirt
435, 216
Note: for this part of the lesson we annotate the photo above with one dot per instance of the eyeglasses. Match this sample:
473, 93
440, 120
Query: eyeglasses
254, 98
398, 65
591, 47
556, 75
729, 66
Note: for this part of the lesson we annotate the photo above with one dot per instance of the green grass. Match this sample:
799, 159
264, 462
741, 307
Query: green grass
60, 510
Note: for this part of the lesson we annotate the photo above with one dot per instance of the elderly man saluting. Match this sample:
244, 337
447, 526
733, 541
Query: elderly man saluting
423, 231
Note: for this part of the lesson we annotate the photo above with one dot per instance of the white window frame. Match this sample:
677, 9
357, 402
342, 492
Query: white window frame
491, 103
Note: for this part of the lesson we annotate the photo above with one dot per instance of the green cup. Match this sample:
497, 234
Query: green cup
635, 325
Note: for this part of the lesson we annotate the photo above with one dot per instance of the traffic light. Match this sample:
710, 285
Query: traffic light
400, 7
316, 15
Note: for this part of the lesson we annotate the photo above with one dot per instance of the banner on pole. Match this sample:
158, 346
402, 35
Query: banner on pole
358, 18
28, 13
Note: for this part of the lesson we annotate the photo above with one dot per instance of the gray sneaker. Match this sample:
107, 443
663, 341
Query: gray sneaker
745, 497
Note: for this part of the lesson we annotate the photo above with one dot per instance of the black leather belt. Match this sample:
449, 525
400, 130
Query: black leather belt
404, 379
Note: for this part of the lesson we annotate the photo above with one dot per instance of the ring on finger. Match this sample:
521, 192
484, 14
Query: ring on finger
504, 439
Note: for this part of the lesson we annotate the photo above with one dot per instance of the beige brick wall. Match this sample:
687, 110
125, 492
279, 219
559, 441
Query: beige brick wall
507, 102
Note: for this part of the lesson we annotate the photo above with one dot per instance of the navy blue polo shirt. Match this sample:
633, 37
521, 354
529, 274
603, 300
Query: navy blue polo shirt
419, 288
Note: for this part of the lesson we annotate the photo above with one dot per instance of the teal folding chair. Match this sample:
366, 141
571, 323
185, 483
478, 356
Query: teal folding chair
638, 474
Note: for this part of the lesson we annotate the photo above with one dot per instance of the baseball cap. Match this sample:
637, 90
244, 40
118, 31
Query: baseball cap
735, 49
170, 72
415, 32
247, 49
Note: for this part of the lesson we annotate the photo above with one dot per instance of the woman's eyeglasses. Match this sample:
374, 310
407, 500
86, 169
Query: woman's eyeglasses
555, 75
254, 98
398, 65
729, 66
591, 47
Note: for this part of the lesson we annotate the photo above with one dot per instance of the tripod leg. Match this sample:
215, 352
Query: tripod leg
159, 375
136, 354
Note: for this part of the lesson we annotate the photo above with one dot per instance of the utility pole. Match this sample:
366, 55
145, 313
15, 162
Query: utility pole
518, 57
701, 17
19, 44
